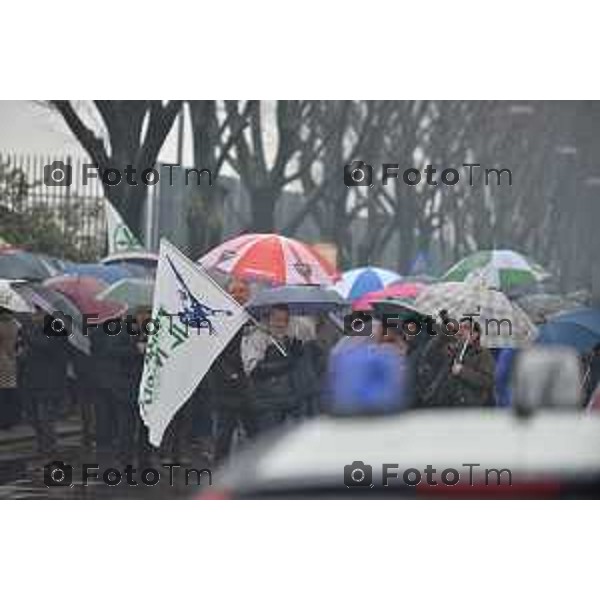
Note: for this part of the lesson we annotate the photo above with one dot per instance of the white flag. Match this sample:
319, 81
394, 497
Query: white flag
120, 237
194, 320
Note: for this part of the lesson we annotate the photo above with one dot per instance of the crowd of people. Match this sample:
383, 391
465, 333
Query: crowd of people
267, 375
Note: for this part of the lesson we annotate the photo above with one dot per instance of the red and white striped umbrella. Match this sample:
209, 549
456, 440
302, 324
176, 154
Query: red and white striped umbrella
271, 257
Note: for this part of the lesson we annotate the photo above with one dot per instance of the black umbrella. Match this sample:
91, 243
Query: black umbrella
51, 301
300, 299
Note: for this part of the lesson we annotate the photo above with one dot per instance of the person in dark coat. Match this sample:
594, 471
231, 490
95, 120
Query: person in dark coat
227, 385
115, 379
308, 374
472, 371
42, 379
433, 369
270, 372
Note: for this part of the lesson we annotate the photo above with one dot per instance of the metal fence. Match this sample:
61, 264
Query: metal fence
75, 209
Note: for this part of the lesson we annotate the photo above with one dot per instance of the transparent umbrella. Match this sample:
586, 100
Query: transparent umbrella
503, 323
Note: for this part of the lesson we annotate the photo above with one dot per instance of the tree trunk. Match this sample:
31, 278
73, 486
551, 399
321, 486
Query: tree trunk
263, 209
129, 201
205, 219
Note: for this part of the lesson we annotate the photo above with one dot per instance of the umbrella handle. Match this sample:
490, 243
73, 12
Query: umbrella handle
338, 323
461, 356
585, 377
263, 328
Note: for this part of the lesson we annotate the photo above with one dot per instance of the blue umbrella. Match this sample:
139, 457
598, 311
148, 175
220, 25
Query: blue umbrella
107, 273
579, 329
357, 282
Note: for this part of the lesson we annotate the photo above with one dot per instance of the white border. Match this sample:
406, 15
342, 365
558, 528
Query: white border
310, 49
288, 549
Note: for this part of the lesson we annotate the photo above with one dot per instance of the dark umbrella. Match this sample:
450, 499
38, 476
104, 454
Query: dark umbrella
18, 264
400, 308
301, 299
579, 329
51, 301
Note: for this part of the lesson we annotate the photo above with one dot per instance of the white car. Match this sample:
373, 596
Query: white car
475, 453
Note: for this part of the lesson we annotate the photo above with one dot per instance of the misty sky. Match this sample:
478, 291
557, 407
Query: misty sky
31, 127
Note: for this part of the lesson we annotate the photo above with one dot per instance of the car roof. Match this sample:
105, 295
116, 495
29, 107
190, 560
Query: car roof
550, 441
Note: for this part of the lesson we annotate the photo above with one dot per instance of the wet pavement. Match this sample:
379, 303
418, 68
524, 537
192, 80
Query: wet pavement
22, 471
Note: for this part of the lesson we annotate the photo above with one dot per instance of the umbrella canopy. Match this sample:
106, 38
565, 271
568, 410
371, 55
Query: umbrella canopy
503, 323
422, 278
301, 299
107, 273
358, 282
51, 301
567, 334
271, 257
499, 269
138, 264
133, 292
142, 258
405, 308
542, 306
55, 265
579, 329
83, 292
401, 291
19, 264
11, 300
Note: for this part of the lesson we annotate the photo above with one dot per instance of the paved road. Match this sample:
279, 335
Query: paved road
22, 471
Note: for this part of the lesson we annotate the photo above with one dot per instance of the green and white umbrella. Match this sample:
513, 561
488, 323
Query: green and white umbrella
498, 269
503, 323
